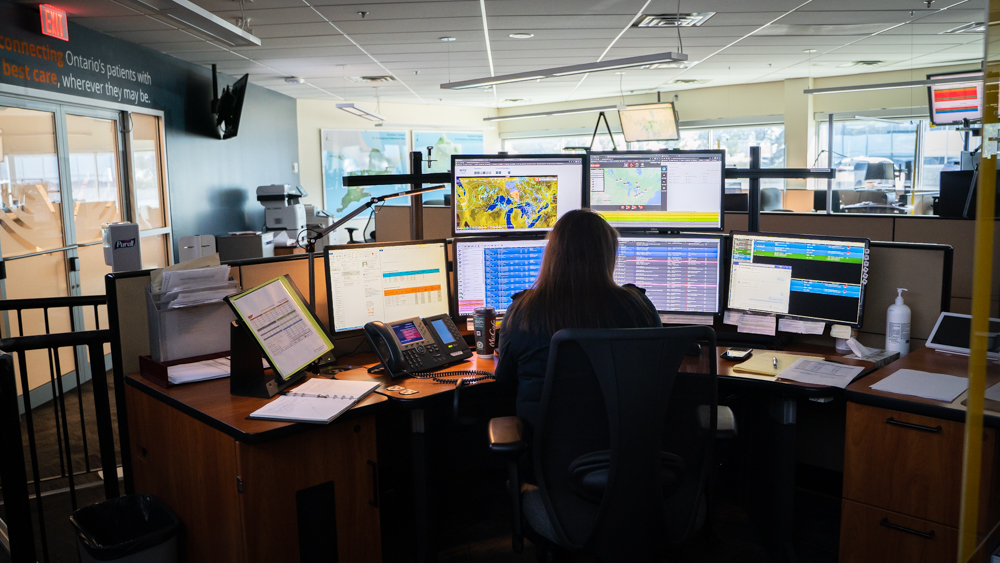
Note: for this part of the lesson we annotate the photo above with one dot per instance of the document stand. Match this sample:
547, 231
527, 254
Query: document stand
248, 377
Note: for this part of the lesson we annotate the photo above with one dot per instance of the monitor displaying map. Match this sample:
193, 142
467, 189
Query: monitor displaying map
649, 122
659, 190
524, 193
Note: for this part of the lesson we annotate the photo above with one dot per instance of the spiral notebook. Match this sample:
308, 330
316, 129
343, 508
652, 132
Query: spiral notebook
317, 401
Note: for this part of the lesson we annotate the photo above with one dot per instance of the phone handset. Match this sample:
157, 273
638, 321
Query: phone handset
382, 341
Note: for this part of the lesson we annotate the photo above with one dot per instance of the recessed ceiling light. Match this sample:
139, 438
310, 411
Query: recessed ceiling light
295, 80
446, 38
808, 50
521, 35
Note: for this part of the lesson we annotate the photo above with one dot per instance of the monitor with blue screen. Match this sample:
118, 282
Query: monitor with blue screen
490, 271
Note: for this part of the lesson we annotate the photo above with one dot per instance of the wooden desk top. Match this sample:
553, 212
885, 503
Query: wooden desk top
426, 388
926, 359
211, 403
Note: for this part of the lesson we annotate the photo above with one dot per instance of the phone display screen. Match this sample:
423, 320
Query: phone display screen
442, 329
407, 332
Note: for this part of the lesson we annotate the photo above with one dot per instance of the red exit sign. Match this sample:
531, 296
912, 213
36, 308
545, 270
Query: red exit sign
54, 22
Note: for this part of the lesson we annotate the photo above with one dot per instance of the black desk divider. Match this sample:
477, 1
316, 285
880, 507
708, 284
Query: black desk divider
248, 377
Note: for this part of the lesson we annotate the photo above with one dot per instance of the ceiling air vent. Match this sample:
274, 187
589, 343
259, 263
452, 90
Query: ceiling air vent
974, 27
370, 79
673, 20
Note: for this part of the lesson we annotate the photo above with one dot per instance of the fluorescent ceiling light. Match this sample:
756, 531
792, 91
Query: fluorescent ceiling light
891, 85
567, 70
199, 19
551, 113
360, 112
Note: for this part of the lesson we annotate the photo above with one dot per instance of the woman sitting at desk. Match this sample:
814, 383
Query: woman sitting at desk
575, 289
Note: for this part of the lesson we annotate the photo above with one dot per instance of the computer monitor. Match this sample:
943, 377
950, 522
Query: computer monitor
489, 272
659, 190
804, 276
514, 193
385, 282
952, 102
680, 273
649, 122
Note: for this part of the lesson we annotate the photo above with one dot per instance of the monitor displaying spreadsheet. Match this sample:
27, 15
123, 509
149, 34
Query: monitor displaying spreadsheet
659, 190
680, 273
489, 272
385, 282
809, 277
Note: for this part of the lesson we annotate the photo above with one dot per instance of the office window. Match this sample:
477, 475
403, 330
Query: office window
555, 145
942, 148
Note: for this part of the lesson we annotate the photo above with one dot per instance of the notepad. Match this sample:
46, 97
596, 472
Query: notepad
762, 362
936, 386
317, 401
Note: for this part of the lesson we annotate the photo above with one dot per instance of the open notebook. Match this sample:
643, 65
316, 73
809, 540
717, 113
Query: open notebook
318, 401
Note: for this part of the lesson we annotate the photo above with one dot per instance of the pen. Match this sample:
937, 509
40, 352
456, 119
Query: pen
774, 361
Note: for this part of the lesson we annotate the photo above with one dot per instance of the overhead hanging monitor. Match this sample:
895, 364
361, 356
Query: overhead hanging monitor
680, 273
659, 190
385, 282
952, 102
515, 193
808, 277
649, 122
489, 272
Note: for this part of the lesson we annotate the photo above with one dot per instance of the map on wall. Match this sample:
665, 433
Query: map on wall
361, 153
446, 143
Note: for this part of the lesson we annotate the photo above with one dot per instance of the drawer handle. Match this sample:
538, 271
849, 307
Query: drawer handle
885, 522
912, 426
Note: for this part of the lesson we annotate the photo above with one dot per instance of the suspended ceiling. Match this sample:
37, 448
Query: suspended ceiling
327, 42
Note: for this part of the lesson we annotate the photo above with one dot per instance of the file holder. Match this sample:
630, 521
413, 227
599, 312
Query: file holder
248, 377
184, 332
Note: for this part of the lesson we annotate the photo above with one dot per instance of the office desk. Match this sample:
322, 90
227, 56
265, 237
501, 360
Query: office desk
254, 490
903, 467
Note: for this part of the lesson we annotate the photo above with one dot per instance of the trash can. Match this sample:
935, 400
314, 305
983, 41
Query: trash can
132, 528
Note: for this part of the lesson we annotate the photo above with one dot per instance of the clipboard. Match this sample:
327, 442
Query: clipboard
762, 363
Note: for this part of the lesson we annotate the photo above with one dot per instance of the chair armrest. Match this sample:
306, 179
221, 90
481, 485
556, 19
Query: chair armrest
505, 435
725, 421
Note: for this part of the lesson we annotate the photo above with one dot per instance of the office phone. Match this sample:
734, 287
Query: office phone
415, 346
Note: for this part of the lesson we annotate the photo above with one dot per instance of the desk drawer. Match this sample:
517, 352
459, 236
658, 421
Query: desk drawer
904, 463
877, 535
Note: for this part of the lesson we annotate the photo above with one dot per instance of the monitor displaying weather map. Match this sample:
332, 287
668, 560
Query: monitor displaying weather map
525, 193
649, 122
661, 190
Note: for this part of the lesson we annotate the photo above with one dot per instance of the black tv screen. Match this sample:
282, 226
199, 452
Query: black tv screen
231, 108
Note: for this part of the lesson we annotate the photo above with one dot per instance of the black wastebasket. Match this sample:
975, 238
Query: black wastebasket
127, 529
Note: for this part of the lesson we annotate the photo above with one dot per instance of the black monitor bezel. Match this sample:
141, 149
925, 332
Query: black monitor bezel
721, 238
454, 252
667, 230
861, 312
930, 94
348, 333
584, 189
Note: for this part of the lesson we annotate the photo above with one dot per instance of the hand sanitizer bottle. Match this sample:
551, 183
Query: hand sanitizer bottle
897, 326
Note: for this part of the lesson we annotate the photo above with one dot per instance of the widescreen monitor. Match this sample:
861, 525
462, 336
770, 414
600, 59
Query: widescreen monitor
488, 272
649, 122
494, 194
659, 190
680, 273
808, 277
952, 102
385, 282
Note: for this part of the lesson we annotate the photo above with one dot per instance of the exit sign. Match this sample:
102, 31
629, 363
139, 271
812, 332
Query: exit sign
54, 22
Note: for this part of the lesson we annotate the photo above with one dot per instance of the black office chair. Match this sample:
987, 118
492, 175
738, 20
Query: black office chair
623, 448
771, 200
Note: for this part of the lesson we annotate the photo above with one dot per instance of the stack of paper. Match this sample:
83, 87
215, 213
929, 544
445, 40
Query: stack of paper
936, 386
821, 372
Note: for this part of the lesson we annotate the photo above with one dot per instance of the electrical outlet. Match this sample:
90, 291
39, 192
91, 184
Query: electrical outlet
295, 167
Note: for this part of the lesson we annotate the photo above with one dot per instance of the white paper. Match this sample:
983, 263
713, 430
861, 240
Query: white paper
671, 319
302, 409
840, 331
198, 371
858, 348
288, 336
936, 386
333, 388
731, 317
193, 279
820, 372
156, 276
801, 327
758, 324
993, 393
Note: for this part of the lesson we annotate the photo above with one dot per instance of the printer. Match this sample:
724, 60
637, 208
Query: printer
284, 213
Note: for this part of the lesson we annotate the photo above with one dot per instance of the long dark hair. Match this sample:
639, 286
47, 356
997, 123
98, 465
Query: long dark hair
576, 286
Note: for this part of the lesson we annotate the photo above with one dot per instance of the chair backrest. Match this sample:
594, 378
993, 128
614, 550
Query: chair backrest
770, 199
612, 391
